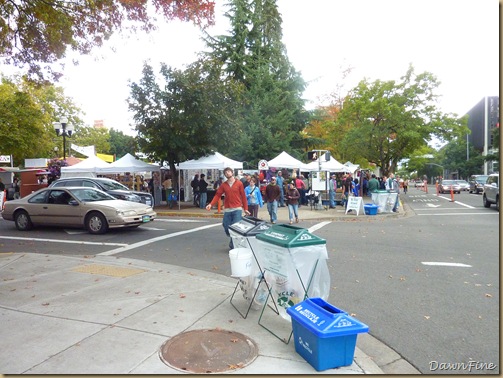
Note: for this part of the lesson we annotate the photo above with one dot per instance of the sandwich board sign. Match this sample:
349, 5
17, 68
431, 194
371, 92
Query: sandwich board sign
355, 203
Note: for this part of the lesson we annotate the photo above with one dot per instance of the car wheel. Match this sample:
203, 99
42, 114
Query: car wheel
485, 201
96, 223
23, 221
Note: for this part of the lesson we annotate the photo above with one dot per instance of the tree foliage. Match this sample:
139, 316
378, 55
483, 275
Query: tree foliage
37, 33
454, 158
186, 114
254, 55
121, 144
27, 111
390, 120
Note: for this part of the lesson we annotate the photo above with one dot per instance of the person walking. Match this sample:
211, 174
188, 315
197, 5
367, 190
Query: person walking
203, 191
332, 187
405, 185
272, 195
280, 182
292, 199
392, 187
254, 197
301, 187
373, 185
235, 201
195, 189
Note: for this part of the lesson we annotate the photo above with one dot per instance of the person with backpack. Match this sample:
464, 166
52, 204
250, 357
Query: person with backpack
195, 189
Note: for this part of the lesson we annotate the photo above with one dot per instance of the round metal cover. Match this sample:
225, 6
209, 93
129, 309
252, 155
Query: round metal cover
208, 351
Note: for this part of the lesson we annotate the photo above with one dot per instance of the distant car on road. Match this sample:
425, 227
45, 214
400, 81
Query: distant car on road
418, 183
491, 193
446, 186
112, 187
477, 183
465, 185
78, 207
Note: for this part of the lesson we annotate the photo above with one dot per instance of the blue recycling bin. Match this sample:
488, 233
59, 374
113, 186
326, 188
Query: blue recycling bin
324, 335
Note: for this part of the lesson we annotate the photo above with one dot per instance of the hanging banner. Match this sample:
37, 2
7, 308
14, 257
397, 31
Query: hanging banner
4, 158
86, 151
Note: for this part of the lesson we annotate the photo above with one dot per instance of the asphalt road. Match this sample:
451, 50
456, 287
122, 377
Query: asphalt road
426, 283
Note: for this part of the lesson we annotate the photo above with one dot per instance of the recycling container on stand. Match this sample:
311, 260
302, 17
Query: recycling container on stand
243, 234
324, 335
295, 265
384, 200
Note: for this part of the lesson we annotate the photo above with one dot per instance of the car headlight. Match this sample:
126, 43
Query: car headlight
127, 213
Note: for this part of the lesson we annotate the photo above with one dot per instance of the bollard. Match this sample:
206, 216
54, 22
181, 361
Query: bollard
452, 194
436, 186
425, 186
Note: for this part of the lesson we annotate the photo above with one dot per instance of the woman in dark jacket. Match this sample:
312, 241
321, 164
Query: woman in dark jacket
292, 198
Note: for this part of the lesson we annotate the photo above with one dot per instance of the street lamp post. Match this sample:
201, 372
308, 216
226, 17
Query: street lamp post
64, 129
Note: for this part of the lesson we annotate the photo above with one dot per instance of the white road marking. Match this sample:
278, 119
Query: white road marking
432, 205
179, 220
445, 264
459, 213
153, 240
62, 241
318, 226
459, 203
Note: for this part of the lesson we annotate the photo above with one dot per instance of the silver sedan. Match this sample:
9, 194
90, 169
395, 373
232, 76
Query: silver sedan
79, 207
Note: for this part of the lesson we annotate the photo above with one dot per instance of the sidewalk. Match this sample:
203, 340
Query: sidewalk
109, 315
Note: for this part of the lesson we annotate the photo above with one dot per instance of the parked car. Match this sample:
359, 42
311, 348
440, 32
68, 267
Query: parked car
465, 185
491, 193
112, 187
477, 183
79, 207
447, 185
418, 183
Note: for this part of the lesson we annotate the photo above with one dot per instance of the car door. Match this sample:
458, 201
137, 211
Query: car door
60, 212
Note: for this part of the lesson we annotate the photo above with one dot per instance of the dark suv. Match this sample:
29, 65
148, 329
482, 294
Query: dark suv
112, 187
477, 183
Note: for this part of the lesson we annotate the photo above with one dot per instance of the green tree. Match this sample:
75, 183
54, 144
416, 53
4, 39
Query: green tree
98, 137
253, 54
38, 33
27, 111
453, 157
390, 120
121, 144
187, 116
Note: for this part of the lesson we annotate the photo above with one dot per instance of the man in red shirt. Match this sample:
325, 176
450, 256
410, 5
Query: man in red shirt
234, 202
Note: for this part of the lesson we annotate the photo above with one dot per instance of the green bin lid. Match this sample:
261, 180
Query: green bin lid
289, 236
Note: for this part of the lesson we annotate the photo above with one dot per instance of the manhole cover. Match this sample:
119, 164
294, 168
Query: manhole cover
208, 351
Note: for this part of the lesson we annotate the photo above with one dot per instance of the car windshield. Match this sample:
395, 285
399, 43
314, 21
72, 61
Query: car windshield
91, 195
481, 179
462, 182
447, 182
113, 185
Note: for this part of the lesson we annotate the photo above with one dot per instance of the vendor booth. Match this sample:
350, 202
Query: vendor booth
210, 165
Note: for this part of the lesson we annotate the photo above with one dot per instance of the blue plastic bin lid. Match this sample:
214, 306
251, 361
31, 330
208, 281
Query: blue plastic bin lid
290, 236
370, 205
325, 320
250, 226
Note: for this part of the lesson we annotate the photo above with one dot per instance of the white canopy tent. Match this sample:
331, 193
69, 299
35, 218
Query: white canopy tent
352, 167
284, 160
332, 166
128, 163
215, 161
86, 168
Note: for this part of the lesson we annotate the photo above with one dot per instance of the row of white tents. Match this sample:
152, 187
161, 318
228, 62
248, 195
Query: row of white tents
128, 163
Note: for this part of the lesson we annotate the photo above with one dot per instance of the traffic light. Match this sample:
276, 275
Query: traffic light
312, 155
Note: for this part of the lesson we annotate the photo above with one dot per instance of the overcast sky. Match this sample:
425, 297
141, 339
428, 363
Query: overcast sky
456, 40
